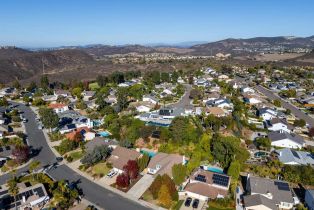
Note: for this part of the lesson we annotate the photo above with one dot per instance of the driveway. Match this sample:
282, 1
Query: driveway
294, 110
141, 186
200, 205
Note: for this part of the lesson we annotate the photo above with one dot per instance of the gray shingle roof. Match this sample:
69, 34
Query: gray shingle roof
253, 200
277, 136
265, 186
288, 155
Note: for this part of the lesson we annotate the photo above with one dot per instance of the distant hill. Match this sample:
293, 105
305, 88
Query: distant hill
22, 64
254, 45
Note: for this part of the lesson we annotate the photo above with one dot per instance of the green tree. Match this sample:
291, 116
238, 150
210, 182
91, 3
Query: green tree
143, 162
263, 143
165, 77
299, 123
277, 103
155, 186
13, 188
164, 198
33, 166
122, 98
178, 173
4, 102
49, 118
77, 92
234, 169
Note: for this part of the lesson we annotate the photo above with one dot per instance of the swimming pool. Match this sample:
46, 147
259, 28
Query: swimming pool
215, 170
149, 153
260, 154
104, 133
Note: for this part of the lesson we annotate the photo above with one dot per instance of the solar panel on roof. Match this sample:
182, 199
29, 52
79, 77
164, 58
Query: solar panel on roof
295, 154
220, 180
200, 178
39, 191
282, 186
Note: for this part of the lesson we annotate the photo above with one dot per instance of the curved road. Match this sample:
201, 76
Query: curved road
294, 110
93, 192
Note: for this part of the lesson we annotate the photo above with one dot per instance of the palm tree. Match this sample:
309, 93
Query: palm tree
13, 188
33, 166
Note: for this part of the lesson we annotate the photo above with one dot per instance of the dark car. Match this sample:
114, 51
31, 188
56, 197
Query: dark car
59, 159
195, 203
188, 202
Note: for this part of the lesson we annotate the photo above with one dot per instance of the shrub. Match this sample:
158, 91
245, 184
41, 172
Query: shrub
123, 180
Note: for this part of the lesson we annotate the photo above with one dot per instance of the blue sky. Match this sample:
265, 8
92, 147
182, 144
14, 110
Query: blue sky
39, 23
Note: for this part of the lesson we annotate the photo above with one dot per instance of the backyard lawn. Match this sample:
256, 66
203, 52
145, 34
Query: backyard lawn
76, 155
100, 169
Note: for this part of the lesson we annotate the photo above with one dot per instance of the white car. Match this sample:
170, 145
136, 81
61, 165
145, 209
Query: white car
111, 174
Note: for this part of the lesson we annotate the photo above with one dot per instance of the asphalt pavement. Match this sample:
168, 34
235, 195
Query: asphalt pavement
92, 192
294, 110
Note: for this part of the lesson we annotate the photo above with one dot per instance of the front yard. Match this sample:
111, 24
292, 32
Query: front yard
100, 169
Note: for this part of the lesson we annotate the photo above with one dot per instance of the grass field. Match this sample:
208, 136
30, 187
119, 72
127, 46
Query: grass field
100, 169
76, 155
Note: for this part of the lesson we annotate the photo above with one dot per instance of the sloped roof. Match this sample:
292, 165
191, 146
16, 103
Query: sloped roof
277, 136
257, 199
288, 155
166, 161
121, 155
260, 185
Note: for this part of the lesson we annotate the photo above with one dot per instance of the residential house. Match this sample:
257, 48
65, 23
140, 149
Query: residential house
28, 197
72, 135
150, 98
267, 113
211, 97
287, 140
201, 82
100, 141
58, 108
223, 77
252, 98
293, 157
111, 99
64, 93
49, 98
162, 163
267, 194
162, 117
206, 185
277, 124
247, 90
71, 120
120, 156
216, 111
309, 199
221, 103
87, 95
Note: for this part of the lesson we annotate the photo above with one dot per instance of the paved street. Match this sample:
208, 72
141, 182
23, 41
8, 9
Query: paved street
185, 101
294, 110
92, 191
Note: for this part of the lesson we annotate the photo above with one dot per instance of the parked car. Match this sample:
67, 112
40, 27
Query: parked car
24, 120
111, 173
195, 203
59, 159
188, 201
